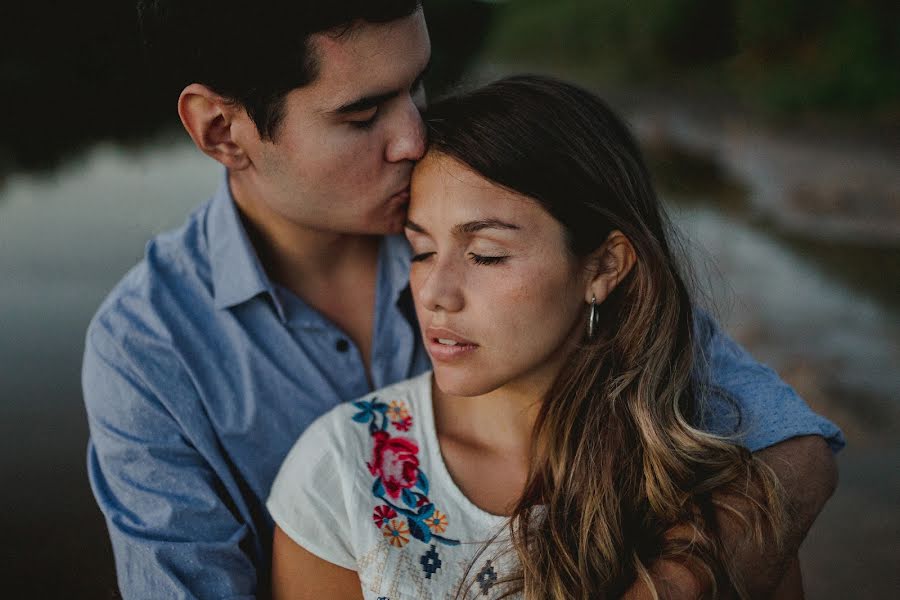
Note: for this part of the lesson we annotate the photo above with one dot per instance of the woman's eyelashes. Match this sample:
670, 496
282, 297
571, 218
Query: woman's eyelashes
478, 259
420, 257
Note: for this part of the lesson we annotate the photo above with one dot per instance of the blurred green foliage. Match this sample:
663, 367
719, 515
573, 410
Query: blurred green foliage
782, 55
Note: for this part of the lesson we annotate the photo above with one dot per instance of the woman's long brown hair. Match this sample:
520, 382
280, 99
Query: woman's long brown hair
618, 456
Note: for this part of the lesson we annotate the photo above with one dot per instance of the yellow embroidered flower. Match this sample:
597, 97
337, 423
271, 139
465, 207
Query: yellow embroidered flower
397, 411
396, 533
437, 522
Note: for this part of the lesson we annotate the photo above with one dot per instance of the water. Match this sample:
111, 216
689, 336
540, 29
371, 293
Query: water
67, 236
788, 305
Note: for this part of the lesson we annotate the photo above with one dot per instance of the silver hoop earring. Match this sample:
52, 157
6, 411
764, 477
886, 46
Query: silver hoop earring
593, 319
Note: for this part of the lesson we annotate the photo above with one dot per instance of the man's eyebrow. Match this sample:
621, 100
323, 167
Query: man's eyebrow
373, 100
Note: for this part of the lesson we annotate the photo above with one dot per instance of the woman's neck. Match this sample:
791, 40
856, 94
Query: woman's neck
500, 422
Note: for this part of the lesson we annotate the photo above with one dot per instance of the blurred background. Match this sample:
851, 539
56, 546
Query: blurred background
771, 127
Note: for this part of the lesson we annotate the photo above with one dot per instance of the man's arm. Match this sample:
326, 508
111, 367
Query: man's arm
783, 432
806, 469
172, 532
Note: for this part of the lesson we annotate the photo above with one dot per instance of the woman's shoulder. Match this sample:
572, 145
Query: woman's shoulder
321, 495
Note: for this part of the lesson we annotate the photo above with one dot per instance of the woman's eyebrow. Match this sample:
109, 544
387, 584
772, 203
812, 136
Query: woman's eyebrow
467, 228
475, 226
413, 226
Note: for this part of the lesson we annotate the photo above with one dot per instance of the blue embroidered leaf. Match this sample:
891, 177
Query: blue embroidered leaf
422, 482
409, 498
419, 530
378, 488
426, 511
447, 541
380, 407
362, 416
363, 405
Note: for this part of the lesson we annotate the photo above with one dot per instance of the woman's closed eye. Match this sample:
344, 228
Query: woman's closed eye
480, 259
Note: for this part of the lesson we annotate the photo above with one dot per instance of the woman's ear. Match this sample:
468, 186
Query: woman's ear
608, 265
211, 120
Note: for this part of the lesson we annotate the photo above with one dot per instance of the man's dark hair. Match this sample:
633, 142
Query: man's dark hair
252, 52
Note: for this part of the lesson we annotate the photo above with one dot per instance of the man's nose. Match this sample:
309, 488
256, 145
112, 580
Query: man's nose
408, 139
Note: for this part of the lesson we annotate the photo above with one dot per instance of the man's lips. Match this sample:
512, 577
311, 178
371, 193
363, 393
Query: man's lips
445, 344
403, 194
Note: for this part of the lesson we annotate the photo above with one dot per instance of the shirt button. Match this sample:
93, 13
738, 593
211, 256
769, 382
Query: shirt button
342, 345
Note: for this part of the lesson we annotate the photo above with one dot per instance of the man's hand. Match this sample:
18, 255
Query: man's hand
806, 468
807, 471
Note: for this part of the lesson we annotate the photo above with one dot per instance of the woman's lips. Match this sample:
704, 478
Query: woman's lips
445, 345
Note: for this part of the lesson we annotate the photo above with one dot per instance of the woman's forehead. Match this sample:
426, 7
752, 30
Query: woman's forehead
446, 185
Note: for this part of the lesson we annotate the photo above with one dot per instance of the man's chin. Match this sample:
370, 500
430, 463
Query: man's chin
393, 223
386, 227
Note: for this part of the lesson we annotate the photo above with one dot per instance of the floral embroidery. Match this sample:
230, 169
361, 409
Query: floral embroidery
397, 411
437, 522
399, 415
396, 532
394, 461
399, 482
383, 515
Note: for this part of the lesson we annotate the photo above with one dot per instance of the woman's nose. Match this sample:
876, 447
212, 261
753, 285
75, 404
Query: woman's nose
440, 289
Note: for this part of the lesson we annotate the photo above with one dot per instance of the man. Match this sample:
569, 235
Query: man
281, 296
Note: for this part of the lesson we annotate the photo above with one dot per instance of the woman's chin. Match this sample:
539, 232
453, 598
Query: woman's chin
460, 382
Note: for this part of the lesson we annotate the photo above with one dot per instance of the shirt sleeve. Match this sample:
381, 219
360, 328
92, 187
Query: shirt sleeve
309, 499
173, 535
748, 401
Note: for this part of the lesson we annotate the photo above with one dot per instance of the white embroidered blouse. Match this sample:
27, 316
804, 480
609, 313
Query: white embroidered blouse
365, 487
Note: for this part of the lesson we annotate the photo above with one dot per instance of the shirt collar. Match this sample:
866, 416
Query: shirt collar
395, 258
237, 274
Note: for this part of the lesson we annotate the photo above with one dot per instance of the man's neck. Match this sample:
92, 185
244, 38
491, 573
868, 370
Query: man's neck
334, 273
303, 259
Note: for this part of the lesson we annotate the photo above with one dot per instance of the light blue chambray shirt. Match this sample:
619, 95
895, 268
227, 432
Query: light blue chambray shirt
200, 373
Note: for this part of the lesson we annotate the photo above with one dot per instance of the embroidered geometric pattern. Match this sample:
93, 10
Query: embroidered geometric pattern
401, 486
430, 562
486, 578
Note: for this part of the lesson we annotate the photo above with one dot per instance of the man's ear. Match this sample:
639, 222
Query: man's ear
608, 266
210, 120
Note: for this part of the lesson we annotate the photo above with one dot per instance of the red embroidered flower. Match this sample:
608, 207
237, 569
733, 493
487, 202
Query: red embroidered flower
383, 515
395, 461
404, 424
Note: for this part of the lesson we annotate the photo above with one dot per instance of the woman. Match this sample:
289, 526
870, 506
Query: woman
552, 453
